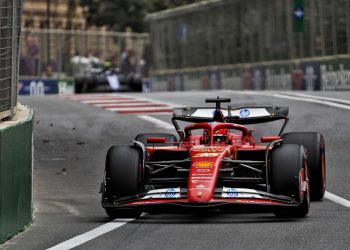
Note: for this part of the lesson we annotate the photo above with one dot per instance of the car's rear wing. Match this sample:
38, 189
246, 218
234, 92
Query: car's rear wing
243, 115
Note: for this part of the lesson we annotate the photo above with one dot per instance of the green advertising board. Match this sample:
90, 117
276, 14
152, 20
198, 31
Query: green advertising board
65, 86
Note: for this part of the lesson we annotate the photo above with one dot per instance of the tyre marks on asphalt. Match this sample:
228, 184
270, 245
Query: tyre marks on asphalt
123, 104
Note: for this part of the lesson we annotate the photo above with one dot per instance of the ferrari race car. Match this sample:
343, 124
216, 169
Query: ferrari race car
217, 163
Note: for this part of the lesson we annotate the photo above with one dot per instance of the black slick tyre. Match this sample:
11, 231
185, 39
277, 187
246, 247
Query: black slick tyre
314, 144
143, 138
289, 177
123, 178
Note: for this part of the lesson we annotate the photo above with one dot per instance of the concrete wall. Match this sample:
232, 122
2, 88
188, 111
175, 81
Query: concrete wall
324, 73
16, 155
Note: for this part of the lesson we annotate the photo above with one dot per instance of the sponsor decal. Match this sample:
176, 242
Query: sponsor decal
203, 170
199, 189
311, 75
258, 79
202, 177
203, 164
335, 77
231, 192
170, 193
38, 87
207, 155
202, 181
244, 113
176, 82
208, 150
253, 112
163, 193
65, 87
279, 79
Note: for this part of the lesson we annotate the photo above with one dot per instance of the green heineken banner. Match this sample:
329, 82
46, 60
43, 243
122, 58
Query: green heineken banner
298, 15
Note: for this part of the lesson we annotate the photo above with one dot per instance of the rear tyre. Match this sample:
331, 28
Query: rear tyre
123, 178
143, 138
314, 144
289, 177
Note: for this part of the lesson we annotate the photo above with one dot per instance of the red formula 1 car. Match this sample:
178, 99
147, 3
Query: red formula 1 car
217, 163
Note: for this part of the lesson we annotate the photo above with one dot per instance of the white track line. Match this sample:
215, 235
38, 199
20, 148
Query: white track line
94, 233
332, 102
159, 123
327, 103
337, 199
323, 98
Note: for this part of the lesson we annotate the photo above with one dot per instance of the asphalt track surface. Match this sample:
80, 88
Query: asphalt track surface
71, 140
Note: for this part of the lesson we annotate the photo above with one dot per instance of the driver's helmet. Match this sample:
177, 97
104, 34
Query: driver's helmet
221, 135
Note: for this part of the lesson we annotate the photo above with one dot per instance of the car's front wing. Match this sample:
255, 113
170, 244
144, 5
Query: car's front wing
222, 197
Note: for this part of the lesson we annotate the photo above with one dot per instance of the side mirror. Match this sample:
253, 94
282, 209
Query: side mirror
270, 138
156, 140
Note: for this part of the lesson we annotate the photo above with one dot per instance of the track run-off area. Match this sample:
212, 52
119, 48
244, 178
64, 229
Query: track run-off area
73, 133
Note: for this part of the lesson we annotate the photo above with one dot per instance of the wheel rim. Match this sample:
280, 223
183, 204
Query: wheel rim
304, 178
323, 166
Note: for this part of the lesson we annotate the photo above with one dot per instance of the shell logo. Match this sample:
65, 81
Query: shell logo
203, 164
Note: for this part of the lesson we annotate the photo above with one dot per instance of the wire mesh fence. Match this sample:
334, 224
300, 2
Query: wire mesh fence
49, 53
10, 14
226, 32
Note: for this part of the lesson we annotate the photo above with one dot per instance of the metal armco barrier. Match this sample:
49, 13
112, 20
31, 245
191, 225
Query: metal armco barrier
16, 173
324, 73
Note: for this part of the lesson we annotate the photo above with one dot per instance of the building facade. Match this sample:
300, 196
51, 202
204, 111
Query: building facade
63, 14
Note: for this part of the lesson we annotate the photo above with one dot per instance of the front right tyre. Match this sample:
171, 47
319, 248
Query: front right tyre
123, 178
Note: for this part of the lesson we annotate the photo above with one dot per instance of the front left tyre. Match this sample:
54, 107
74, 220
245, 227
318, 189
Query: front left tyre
123, 178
